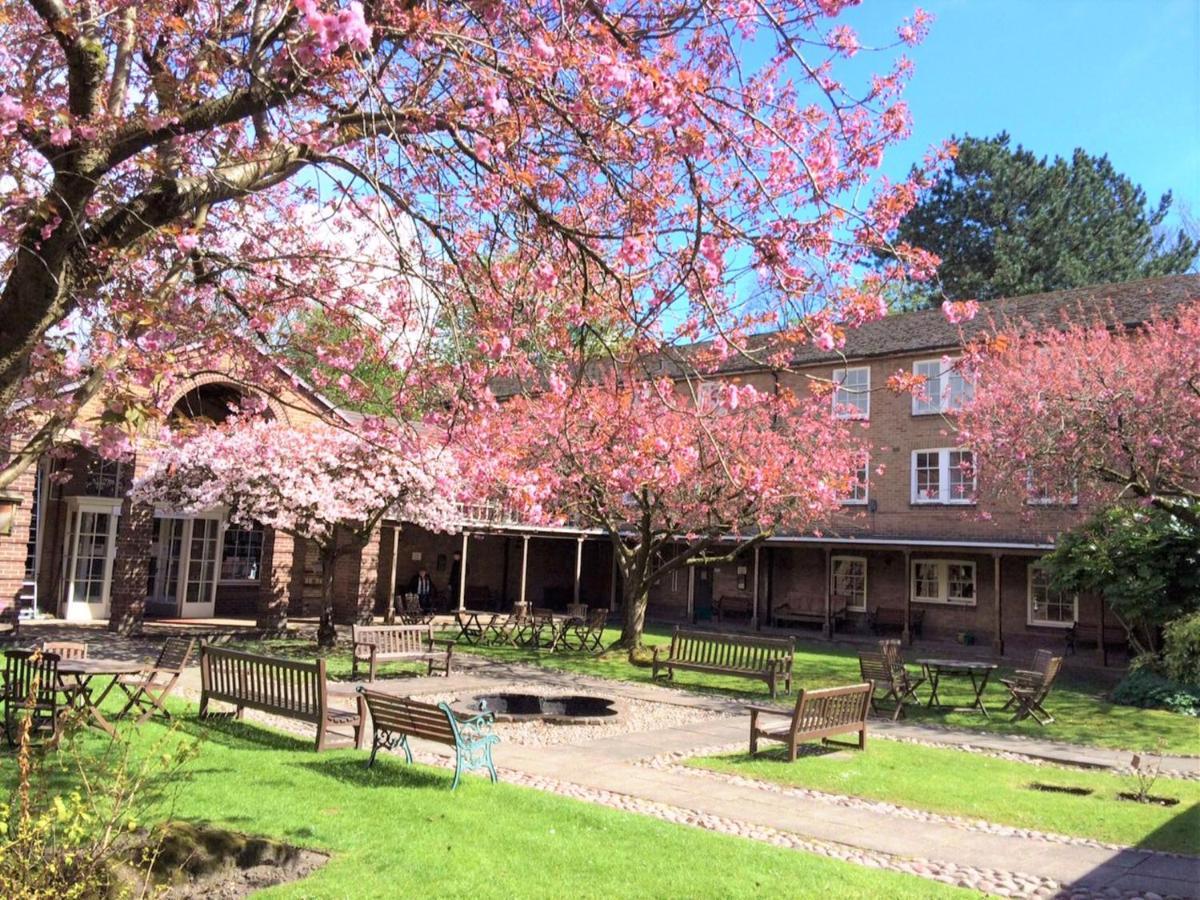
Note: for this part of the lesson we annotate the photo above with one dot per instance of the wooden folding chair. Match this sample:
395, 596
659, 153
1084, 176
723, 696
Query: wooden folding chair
66, 649
1028, 689
588, 634
889, 683
905, 681
149, 688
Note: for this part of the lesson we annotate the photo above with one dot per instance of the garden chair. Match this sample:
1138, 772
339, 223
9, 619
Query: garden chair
149, 688
1028, 689
32, 673
889, 684
587, 634
66, 649
543, 630
906, 682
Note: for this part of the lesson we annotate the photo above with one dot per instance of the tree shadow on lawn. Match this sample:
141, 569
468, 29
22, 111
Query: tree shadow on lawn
386, 773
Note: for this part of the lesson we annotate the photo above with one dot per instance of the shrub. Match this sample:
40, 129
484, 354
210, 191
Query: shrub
1147, 689
1181, 650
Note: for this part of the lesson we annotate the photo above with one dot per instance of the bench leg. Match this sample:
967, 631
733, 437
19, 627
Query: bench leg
203, 705
771, 683
408, 757
241, 712
791, 753
458, 767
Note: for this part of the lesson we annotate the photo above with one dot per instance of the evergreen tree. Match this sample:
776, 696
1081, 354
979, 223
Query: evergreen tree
1006, 223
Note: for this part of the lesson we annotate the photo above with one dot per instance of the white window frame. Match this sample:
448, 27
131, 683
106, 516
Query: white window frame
1032, 497
942, 499
850, 499
943, 598
833, 561
841, 406
937, 402
1030, 618
225, 531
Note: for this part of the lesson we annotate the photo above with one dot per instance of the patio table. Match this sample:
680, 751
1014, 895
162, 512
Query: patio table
84, 670
473, 624
978, 672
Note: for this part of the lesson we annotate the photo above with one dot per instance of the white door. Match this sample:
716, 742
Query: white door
91, 542
200, 583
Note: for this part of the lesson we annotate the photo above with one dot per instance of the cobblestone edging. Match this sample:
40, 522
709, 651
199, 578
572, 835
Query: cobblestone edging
672, 762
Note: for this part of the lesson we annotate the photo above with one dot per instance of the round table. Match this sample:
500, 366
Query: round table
84, 670
978, 672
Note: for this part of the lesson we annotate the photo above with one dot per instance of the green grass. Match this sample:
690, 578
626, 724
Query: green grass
396, 830
967, 784
1082, 713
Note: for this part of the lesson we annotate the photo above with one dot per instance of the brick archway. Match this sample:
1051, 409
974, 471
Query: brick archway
202, 379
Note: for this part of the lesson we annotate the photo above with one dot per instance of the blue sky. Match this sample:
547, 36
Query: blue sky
1120, 77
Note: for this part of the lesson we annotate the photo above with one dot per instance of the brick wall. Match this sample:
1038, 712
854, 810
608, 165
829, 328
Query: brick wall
13, 546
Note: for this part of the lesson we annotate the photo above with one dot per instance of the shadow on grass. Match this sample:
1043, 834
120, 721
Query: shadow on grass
239, 735
778, 752
386, 773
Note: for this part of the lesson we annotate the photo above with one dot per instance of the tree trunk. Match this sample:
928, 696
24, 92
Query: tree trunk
326, 632
636, 597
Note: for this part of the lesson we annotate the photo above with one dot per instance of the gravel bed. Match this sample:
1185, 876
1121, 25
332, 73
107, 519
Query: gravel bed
633, 716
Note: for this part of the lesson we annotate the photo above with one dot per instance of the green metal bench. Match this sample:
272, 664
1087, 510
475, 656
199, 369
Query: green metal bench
396, 719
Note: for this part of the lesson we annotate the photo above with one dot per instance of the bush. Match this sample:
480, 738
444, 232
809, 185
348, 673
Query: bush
1147, 689
1181, 650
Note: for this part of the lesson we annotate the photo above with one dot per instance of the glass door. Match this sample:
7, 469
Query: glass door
199, 590
186, 576
91, 540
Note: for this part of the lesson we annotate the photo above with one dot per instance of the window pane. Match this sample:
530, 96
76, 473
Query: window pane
852, 397
850, 581
960, 582
928, 475
961, 475
242, 553
926, 581
928, 398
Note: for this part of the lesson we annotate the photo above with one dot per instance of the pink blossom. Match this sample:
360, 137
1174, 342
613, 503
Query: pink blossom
493, 102
61, 136
10, 108
545, 278
959, 311
187, 241
542, 48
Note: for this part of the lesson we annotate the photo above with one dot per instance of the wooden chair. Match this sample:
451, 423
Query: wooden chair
818, 714
10, 622
31, 674
149, 688
889, 684
66, 649
589, 634
906, 682
1028, 689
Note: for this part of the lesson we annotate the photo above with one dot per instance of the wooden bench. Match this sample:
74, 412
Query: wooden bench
291, 688
396, 719
891, 618
374, 644
1088, 635
808, 610
734, 605
742, 655
818, 714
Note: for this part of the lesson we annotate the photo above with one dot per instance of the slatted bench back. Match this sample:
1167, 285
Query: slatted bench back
731, 651
400, 715
394, 640
831, 708
290, 687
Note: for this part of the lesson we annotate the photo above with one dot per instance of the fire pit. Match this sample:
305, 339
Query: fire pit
569, 710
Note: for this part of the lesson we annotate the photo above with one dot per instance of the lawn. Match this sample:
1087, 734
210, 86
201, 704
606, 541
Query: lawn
1082, 714
997, 790
397, 830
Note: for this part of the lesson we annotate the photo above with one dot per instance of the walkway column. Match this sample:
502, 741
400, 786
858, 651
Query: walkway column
462, 574
578, 566
524, 567
906, 634
827, 630
389, 611
754, 593
612, 587
998, 636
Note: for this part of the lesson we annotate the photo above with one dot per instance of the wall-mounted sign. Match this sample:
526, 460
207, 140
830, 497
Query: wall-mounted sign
416, 556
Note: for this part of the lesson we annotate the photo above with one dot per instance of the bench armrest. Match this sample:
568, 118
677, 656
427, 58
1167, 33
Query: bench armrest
656, 648
363, 650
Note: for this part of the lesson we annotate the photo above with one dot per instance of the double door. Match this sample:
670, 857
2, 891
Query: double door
189, 553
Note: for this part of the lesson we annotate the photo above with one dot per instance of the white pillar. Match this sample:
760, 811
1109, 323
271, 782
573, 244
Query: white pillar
462, 573
391, 588
524, 565
754, 593
578, 565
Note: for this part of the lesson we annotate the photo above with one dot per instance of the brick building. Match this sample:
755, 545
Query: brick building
911, 542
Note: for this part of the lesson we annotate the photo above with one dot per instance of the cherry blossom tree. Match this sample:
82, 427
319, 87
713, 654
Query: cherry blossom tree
1092, 411
676, 474
316, 483
645, 168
